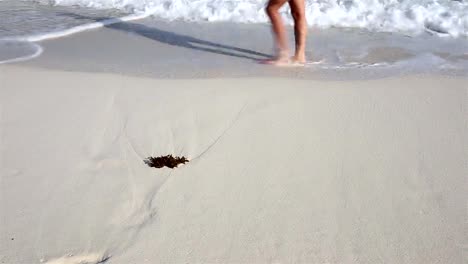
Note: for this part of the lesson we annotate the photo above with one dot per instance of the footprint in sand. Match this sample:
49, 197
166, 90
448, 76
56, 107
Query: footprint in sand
93, 258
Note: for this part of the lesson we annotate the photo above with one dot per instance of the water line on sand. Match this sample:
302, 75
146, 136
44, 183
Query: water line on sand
63, 33
38, 51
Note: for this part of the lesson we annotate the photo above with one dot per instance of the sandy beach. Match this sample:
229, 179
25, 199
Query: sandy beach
285, 165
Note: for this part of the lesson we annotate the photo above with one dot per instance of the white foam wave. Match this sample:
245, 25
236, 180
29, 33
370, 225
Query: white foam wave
77, 29
30, 50
28, 40
447, 17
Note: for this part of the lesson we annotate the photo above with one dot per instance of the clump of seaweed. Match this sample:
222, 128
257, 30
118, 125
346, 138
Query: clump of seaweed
165, 161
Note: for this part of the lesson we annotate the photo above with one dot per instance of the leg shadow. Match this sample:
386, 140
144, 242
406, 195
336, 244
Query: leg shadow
175, 39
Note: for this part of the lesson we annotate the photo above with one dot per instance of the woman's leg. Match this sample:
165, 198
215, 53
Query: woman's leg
279, 30
300, 28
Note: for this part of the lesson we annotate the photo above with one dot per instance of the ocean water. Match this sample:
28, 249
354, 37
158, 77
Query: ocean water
434, 32
23, 23
449, 17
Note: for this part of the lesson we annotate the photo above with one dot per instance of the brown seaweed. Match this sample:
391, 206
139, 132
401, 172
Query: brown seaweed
165, 161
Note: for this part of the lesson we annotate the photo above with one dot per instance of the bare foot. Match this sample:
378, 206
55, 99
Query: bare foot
282, 59
299, 59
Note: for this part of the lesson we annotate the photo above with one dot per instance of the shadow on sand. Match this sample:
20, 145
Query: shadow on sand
174, 39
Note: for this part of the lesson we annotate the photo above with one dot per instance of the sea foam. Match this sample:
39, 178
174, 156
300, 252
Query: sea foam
17, 51
443, 17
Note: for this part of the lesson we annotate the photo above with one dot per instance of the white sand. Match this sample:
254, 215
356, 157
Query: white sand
281, 170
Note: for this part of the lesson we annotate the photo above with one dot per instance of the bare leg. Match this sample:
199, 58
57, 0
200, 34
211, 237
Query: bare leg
300, 29
279, 30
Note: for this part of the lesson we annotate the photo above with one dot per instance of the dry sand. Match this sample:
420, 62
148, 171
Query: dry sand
281, 170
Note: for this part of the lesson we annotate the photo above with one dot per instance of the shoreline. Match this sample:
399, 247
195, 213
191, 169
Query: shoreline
166, 50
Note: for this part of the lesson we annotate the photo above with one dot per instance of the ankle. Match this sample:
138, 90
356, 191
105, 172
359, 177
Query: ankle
299, 58
299, 54
282, 53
